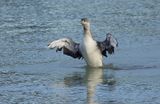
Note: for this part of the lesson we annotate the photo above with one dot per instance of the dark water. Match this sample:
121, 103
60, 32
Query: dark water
32, 74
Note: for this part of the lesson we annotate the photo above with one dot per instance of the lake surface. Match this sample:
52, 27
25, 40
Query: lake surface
30, 73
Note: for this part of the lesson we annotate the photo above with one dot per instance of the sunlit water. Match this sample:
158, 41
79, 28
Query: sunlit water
32, 74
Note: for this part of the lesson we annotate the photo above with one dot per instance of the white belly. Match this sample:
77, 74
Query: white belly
91, 53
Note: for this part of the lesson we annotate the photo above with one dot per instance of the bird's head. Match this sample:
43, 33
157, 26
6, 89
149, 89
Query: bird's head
85, 23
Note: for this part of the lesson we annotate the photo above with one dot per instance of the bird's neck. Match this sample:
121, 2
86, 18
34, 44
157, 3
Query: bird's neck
87, 31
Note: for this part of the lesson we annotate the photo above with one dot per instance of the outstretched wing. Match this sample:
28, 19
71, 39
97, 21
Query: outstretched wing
68, 46
108, 45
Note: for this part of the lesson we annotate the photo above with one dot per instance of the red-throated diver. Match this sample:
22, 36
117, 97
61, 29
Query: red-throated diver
92, 51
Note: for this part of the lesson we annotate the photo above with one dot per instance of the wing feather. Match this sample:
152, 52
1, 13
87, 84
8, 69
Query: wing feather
68, 46
108, 45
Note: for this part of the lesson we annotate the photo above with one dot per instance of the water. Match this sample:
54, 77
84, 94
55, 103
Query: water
32, 74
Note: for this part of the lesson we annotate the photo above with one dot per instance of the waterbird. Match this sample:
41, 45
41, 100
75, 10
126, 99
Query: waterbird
90, 50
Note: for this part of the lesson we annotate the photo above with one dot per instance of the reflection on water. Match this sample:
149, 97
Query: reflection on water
94, 76
92, 79
90, 85
74, 80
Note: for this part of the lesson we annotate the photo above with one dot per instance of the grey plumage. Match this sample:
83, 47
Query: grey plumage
108, 45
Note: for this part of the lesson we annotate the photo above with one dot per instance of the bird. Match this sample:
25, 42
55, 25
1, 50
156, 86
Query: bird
90, 50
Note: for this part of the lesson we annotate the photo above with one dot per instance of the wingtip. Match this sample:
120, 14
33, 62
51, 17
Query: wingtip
48, 45
117, 44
